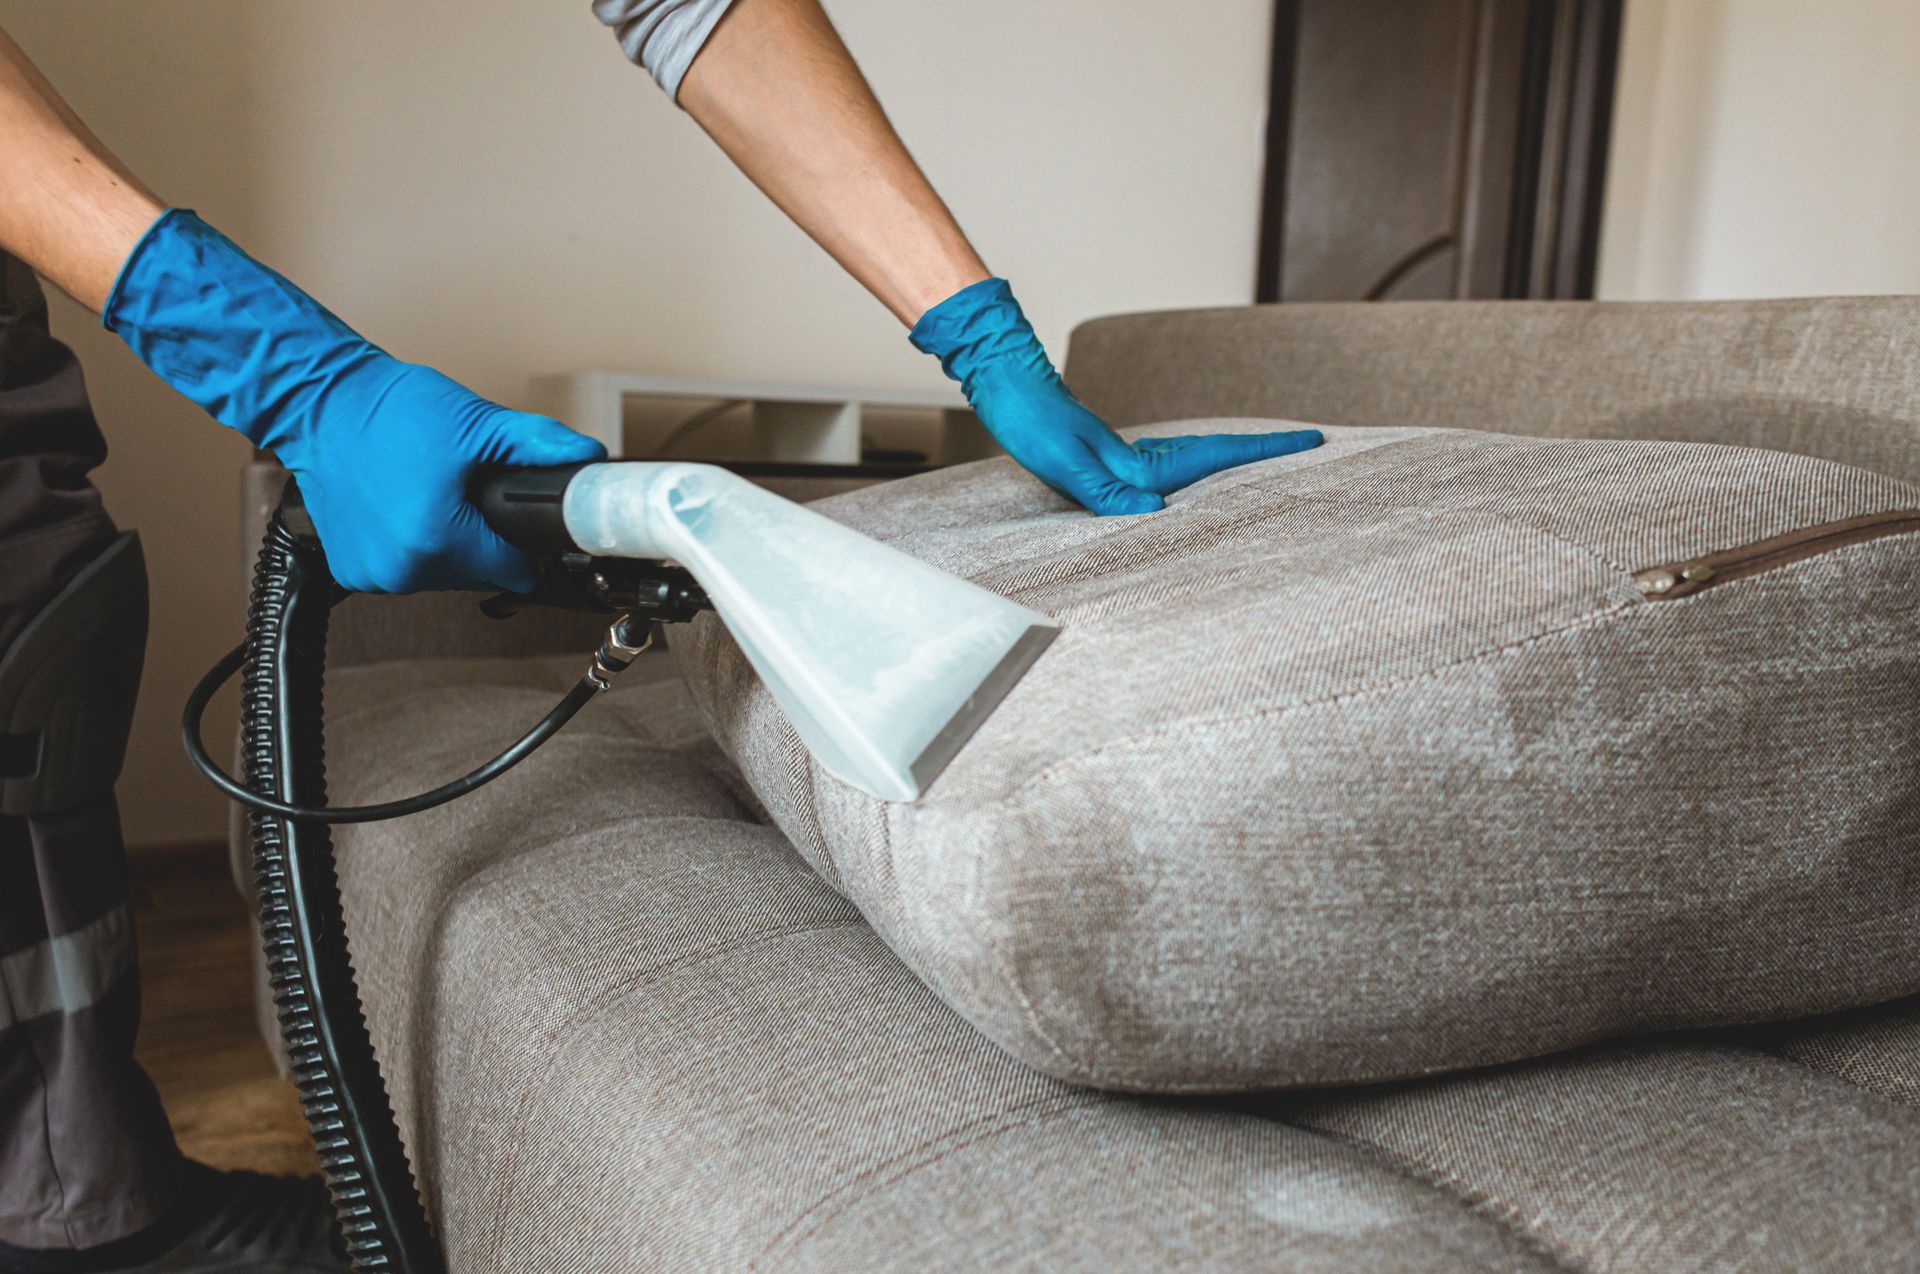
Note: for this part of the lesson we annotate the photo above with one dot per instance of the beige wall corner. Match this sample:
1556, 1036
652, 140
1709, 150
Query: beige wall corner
1762, 148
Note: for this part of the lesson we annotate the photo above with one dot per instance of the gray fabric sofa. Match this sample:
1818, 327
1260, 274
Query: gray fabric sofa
627, 1026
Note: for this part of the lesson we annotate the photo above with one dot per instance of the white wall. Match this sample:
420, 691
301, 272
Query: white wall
487, 186
1765, 148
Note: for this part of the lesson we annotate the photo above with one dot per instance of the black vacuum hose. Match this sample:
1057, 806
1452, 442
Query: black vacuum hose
284, 787
301, 921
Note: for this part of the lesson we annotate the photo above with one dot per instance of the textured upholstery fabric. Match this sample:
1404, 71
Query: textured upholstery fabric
1374, 761
627, 1028
1652, 1157
1878, 1049
1830, 377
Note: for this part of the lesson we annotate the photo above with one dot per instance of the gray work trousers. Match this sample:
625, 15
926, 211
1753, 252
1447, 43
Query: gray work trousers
86, 1154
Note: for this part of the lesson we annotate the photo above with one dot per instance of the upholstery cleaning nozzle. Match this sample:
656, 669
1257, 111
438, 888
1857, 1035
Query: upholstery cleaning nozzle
885, 665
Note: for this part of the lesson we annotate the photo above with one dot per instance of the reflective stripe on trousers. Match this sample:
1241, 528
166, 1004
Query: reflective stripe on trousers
67, 973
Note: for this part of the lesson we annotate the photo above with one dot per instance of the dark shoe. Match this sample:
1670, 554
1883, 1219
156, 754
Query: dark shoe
253, 1224
225, 1223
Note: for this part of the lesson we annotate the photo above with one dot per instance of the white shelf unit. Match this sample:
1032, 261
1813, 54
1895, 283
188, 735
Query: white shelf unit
799, 424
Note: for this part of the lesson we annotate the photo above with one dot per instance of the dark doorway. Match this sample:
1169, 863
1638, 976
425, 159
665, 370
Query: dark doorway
1436, 149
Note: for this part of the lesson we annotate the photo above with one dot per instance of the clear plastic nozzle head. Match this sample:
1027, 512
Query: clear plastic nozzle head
884, 665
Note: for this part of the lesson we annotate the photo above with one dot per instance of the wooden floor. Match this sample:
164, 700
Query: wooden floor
229, 1105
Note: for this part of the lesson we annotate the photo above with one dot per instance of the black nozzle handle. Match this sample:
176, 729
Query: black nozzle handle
524, 505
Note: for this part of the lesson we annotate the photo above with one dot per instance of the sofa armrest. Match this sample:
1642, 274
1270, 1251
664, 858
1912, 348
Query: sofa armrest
1837, 378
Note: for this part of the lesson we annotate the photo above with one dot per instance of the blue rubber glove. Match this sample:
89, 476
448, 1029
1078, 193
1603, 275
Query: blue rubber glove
983, 341
383, 449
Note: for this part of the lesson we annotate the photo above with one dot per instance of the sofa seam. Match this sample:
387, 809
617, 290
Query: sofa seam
1535, 1237
1037, 1023
803, 773
1839, 1079
588, 1012
1587, 550
983, 1129
460, 884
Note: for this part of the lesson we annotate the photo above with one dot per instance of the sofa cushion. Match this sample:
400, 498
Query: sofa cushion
626, 1027
1426, 749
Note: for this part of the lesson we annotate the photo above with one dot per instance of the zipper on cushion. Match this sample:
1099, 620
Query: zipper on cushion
1683, 579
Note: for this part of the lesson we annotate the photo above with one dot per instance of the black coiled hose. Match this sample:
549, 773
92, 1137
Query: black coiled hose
301, 923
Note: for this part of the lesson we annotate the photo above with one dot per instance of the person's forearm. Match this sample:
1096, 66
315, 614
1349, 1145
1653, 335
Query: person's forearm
778, 91
68, 208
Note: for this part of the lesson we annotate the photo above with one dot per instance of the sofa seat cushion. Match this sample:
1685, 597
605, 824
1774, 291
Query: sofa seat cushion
1426, 749
626, 1027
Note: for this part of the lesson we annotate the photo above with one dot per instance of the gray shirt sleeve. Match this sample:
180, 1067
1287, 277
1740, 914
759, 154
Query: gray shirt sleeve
664, 36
